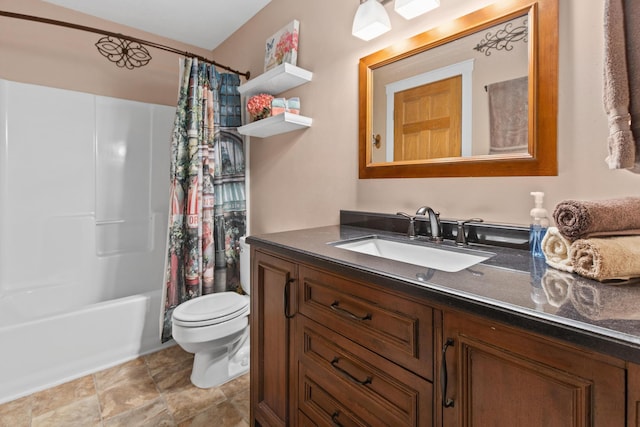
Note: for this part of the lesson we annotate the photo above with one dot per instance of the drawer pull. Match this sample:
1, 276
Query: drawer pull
335, 306
446, 402
334, 363
286, 299
334, 418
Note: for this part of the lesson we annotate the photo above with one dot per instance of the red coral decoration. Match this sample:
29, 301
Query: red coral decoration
259, 106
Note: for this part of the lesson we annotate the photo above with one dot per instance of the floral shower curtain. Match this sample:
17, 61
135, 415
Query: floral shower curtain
207, 201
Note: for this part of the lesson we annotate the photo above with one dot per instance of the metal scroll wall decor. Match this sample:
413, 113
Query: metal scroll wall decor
504, 38
124, 53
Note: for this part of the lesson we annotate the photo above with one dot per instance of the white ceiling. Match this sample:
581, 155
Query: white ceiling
202, 23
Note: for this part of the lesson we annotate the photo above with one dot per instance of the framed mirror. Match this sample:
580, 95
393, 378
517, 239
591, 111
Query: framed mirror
474, 97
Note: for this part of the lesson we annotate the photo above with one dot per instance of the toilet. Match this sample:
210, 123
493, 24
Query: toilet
215, 328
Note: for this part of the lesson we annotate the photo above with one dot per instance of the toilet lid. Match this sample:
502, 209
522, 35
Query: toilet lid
211, 309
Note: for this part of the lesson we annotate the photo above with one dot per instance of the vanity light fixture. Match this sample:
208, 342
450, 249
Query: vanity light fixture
372, 20
409, 9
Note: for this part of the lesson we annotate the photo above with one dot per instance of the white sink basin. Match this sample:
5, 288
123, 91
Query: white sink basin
445, 259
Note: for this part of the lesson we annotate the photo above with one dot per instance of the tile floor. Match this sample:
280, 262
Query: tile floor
152, 390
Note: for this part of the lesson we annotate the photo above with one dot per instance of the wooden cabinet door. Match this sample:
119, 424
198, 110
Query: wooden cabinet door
633, 395
273, 289
494, 375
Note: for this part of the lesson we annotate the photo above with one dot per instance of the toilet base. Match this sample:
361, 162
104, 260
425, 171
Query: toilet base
214, 368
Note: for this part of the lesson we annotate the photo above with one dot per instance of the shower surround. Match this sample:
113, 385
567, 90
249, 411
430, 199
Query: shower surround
83, 217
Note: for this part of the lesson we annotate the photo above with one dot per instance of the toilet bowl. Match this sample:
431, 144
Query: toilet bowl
215, 328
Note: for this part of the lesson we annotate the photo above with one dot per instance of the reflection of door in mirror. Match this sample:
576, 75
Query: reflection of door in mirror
427, 122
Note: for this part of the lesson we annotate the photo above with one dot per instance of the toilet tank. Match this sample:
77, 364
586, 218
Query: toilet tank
245, 266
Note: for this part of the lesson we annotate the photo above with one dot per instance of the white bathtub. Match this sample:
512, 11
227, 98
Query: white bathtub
52, 350
84, 198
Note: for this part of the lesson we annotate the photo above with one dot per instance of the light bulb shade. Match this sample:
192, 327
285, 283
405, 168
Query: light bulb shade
370, 21
412, 8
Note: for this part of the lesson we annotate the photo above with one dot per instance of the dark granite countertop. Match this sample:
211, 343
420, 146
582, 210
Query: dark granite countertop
511, 287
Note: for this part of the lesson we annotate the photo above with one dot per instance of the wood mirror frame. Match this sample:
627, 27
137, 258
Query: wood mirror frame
541, 158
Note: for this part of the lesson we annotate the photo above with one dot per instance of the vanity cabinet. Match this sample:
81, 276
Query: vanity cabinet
327, 350
331, 349
495, 373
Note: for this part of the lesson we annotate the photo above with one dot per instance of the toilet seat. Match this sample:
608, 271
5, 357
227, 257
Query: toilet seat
211, 309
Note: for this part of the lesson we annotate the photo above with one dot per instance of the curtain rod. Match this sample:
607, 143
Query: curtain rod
122, 51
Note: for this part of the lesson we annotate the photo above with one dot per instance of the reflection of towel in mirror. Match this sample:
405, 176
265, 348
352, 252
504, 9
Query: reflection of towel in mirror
557, 286
509, 116
607, 258
597, 301
556, 250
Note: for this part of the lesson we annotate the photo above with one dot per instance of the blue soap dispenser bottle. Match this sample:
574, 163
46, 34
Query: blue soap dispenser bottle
539, 225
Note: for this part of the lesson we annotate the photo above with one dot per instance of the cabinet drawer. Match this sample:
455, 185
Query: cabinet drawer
322, 408
392, 326
335, 374
304, 421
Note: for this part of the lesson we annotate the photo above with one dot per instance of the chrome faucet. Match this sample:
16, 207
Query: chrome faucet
434, 222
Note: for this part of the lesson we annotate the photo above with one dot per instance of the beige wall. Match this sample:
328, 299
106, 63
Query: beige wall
37, 53
303, 179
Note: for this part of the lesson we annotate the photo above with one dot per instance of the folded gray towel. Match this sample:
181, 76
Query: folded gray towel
577, 219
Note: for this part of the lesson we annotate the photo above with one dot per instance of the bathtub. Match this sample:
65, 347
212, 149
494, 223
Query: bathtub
83, 228
78, 309
70, 345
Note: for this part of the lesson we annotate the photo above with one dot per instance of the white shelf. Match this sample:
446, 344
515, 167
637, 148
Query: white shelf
282, 123
277, 80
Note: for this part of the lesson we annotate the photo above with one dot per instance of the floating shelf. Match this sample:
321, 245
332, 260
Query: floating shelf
277, 80
282, 123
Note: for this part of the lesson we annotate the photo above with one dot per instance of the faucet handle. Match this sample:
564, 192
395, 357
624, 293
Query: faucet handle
461, 238
411, 232
406, 215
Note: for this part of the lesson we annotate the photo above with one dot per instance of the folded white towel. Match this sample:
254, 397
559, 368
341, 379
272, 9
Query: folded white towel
556, 250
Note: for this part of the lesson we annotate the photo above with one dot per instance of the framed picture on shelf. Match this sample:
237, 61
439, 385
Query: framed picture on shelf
282, 46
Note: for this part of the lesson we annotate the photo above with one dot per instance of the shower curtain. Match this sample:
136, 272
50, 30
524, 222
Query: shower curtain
207, 198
